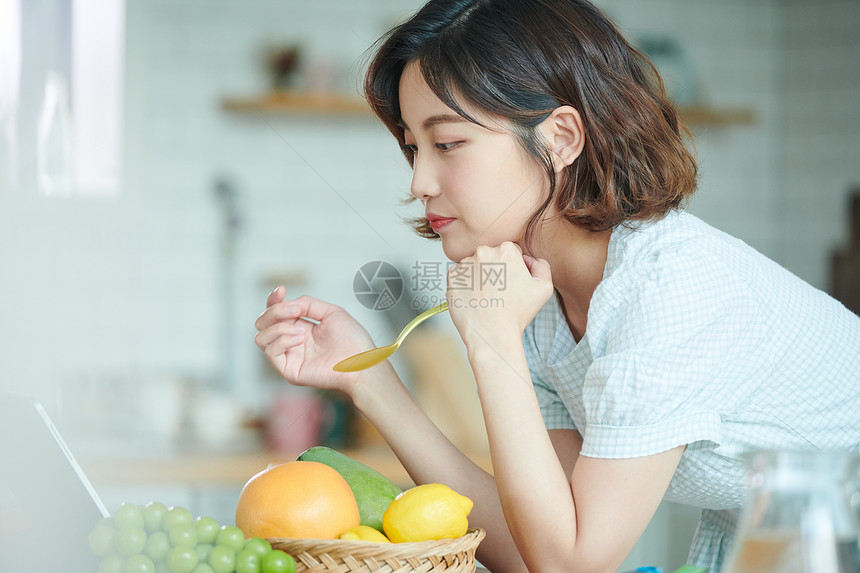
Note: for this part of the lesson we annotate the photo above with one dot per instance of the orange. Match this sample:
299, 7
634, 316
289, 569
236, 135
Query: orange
303, 499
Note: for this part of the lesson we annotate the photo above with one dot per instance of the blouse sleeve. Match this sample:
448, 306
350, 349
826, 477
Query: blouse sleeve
553, 410
682, 346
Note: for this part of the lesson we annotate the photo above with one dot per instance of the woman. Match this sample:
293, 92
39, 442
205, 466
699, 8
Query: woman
636, 352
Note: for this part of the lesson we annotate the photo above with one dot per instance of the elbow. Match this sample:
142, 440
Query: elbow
573, 561
515, 568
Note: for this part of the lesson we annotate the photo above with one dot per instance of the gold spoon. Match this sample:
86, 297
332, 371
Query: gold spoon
374, 356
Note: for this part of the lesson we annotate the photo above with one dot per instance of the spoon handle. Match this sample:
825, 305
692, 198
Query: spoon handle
419, 319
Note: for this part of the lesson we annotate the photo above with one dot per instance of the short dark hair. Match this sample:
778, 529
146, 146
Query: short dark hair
521, 59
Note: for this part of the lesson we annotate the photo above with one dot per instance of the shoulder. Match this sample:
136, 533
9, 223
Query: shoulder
678, 251
670, 278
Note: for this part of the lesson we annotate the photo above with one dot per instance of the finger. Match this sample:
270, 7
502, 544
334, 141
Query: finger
529, 261
276, 313
540, 270
279, 346
291, 328
510, 245
276, 295
310, 307
288, 310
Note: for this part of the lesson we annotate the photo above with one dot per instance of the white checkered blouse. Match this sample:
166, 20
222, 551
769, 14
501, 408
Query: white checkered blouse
695, 338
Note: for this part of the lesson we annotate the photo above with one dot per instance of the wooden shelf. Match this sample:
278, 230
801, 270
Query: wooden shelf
703, 115
335, 104
296, 103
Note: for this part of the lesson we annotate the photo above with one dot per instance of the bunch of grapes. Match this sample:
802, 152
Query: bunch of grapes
157, 539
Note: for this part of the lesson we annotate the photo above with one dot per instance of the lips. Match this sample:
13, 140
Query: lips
437, 222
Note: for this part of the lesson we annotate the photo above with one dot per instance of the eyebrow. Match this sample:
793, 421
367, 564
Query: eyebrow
434, 120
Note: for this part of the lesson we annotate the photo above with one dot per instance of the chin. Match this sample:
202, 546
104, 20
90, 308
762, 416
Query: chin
456, 254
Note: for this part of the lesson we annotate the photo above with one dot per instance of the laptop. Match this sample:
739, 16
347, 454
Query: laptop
47, 505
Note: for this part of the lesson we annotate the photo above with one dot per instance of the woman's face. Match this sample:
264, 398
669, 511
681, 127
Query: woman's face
478, 186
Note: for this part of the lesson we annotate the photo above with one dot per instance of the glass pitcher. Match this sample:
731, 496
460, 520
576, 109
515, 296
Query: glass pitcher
799, 516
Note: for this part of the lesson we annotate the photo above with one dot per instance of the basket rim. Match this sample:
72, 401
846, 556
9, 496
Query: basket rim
473, 534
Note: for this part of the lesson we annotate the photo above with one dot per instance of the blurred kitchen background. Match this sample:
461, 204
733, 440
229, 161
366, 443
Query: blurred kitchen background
164, 164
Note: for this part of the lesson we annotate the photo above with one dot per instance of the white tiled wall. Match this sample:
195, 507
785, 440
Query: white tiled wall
818, 131
131, 286
732, 50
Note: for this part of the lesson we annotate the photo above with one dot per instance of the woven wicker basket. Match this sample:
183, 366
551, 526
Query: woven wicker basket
341, 556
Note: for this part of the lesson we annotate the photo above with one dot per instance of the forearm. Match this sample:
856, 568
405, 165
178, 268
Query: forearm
429, 457
533, 488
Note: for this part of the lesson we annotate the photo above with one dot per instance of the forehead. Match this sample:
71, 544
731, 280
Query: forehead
418, 102
421, 108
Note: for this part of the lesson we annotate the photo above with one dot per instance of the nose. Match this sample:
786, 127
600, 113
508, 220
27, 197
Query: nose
424, 184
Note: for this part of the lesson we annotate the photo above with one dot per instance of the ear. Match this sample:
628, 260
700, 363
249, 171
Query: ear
564, 133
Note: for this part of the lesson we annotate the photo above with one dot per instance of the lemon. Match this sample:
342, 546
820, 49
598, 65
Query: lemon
428, 511
364, 533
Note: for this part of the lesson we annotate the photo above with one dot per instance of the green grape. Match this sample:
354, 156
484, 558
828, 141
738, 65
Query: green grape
130, 540
182, 559
231, 537
278, 562
203, 551
161, 567
174, 516
258, 545
102, 538
247, 561
157, 546
183, 534
222, 559
153, 513
203, 568
112, 563
139, 564
108, 521
207, 529
128, 515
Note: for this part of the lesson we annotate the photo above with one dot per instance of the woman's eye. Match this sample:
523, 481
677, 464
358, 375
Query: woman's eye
413, 149
446, 146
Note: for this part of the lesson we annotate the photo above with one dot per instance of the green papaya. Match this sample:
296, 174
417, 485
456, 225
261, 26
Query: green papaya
372, 490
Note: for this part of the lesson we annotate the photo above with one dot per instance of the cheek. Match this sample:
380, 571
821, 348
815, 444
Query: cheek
519, 189
496, 191
467, 187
